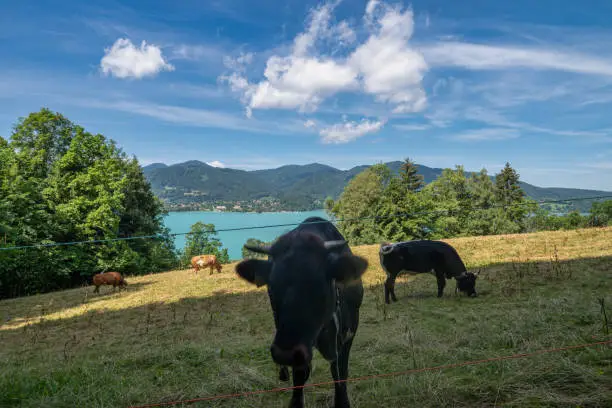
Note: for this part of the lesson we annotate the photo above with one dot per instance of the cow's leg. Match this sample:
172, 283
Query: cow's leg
390, 288
97, 289
283, 373
211, 269
339, 370
300, 376
441, 282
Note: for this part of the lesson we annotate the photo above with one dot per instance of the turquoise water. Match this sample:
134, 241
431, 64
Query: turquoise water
179, 222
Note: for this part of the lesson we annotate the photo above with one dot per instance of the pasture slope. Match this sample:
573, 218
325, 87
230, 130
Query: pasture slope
174, 336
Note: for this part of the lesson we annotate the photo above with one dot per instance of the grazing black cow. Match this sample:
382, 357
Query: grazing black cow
424, 256
315, 290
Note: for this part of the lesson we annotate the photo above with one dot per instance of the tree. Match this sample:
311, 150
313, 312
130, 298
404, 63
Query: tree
452, 203
359, 204
328, 204
509, 195
411, 180
601, 213
59, 183
202, 240
486, 218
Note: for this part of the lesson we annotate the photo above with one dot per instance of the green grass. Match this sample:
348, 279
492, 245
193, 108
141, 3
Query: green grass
176, 336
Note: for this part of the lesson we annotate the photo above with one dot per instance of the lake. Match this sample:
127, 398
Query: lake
180, 222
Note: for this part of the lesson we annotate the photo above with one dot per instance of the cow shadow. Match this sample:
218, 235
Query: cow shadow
209, 336
508, 279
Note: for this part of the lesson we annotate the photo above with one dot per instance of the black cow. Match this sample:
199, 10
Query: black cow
315, 290
424, 256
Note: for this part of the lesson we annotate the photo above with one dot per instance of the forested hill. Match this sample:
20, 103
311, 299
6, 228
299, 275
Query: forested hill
296, 186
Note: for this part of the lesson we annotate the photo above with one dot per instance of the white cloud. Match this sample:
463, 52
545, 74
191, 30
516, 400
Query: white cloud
310, 123
495, 118
124, 60
493, 57
487, 134
383, 66
216, 163
349, 131
239, 63
600, 165
194, 117
412, 128
197, 52
391, 70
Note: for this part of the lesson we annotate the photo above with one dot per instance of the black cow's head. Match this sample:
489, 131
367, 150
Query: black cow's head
300, 275
466, 283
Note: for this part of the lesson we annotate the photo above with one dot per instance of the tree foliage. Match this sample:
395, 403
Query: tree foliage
601, 213
60, 183
202, 240
410, 178
360, 201
378, 206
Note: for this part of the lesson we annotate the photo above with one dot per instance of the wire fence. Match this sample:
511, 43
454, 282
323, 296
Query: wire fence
375, 217
375, 376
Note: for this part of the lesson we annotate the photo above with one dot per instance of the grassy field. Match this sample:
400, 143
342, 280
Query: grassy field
175, 336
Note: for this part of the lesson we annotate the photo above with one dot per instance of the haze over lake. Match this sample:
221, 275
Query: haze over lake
180, 222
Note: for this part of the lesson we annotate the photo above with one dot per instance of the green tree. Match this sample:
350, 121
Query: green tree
452, 203
601, 213
202, 240
411, 180
509, 195
486, 218
60, 183
360, 202
404, 214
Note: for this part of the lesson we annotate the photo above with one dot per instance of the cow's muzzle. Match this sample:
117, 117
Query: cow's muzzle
298, 356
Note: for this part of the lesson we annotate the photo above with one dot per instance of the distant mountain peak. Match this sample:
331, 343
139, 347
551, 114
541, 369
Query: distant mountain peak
193, 163
155, 166
295, 185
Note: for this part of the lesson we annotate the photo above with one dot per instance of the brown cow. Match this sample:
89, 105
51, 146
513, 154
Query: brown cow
108, 278
203, 261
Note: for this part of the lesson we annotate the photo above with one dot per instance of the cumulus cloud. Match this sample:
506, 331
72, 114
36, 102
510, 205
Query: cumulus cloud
125, 60
326, 60
216, 163
349, 131
390, 69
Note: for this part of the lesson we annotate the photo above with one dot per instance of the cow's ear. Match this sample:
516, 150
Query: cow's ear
255, 271
347, 268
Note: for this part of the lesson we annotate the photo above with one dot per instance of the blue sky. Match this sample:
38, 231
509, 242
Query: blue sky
250, 85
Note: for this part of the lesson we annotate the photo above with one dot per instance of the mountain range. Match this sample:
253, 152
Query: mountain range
298, 187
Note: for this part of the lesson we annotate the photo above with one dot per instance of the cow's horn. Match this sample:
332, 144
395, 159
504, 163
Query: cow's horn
329, 245
259, 249
386, 249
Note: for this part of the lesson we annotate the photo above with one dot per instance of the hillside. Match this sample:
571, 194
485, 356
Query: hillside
174, 336
297, 187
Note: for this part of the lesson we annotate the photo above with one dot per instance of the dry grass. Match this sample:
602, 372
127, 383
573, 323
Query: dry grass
175, 335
